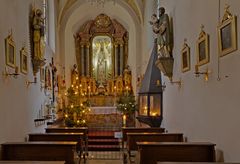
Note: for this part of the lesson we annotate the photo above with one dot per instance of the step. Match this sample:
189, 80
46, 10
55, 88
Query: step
101, 135
103, 148
103, 141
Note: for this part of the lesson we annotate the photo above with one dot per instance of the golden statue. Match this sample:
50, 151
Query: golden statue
38, 35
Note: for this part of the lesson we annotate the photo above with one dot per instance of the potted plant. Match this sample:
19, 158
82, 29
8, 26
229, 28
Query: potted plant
127, 105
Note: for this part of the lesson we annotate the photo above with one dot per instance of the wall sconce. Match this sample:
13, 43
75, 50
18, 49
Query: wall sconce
158, 84
14, 74
205, 74
31, 82
179, 82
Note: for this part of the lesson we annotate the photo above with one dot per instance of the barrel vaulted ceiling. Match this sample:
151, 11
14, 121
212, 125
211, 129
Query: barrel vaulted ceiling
137, 7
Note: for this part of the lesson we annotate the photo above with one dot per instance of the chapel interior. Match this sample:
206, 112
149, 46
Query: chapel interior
117, 80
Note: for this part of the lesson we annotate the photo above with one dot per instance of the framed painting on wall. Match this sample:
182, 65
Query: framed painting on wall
10, 52
185, 55
23, 61
202, 48
227, 33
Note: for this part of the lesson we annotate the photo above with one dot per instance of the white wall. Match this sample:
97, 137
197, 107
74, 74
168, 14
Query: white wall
19, 105
204, 111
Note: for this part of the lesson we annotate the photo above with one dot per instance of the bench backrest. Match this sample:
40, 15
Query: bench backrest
39, 151
74, 137
133, 138
126, 130
151, 152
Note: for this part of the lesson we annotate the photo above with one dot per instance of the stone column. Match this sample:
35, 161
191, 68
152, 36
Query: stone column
82, 60
116, 60
88, 60
121, 59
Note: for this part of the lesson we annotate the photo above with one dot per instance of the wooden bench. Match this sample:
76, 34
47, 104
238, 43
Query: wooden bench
83, 130
195, 163
126, 130
151, 152
74, 137
39, 151
133, 138
32, 162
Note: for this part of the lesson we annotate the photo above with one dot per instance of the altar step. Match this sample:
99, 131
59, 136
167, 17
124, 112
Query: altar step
102, 141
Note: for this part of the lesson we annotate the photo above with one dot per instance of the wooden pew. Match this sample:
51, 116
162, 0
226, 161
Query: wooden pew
133, 138
126, 130
151, 152
196, 163
39, 151
75, 137
83, 130
32, 162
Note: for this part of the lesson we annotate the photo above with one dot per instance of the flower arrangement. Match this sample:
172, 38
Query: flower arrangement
126, 104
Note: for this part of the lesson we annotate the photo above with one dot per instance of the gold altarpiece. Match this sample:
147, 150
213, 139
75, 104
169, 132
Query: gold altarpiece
102, 54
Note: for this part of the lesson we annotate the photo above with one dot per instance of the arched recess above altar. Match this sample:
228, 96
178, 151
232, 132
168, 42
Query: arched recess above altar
102, 55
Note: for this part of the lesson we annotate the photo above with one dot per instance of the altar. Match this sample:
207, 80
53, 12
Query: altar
104, 117
104, 110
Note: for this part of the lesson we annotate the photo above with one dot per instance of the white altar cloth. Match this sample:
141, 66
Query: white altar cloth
103, 110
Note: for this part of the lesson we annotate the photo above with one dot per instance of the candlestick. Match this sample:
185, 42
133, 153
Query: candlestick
196, 68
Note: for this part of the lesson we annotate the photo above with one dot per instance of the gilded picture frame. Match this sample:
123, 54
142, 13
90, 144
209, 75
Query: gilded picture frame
10, 51
23, 61
185, 58
202, 48
227, 33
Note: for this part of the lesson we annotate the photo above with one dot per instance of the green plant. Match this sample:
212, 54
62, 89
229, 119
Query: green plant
126, 104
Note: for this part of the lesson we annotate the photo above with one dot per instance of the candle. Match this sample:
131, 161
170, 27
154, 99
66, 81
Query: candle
196, 68
124, 120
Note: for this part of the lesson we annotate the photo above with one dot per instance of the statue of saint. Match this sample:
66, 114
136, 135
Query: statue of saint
38, 35
161, 27
101, 64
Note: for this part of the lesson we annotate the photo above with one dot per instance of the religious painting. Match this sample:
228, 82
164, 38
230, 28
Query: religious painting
102, 59
202, 48
10, 51
23, 60
185, 58
227, 34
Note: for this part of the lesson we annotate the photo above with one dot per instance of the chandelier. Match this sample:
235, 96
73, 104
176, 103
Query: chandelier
101, 2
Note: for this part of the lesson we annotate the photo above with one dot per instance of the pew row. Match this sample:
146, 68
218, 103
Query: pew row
74, 137
83, 130
39, 151
196, 163
151, 152
32, 162
133, 138
126, 130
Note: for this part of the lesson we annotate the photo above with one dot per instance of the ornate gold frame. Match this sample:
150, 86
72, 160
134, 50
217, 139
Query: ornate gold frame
202, 39
228, 20
23, 63
10, 51
185, 50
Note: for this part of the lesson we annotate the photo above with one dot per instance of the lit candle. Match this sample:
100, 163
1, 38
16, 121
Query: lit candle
124, 120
